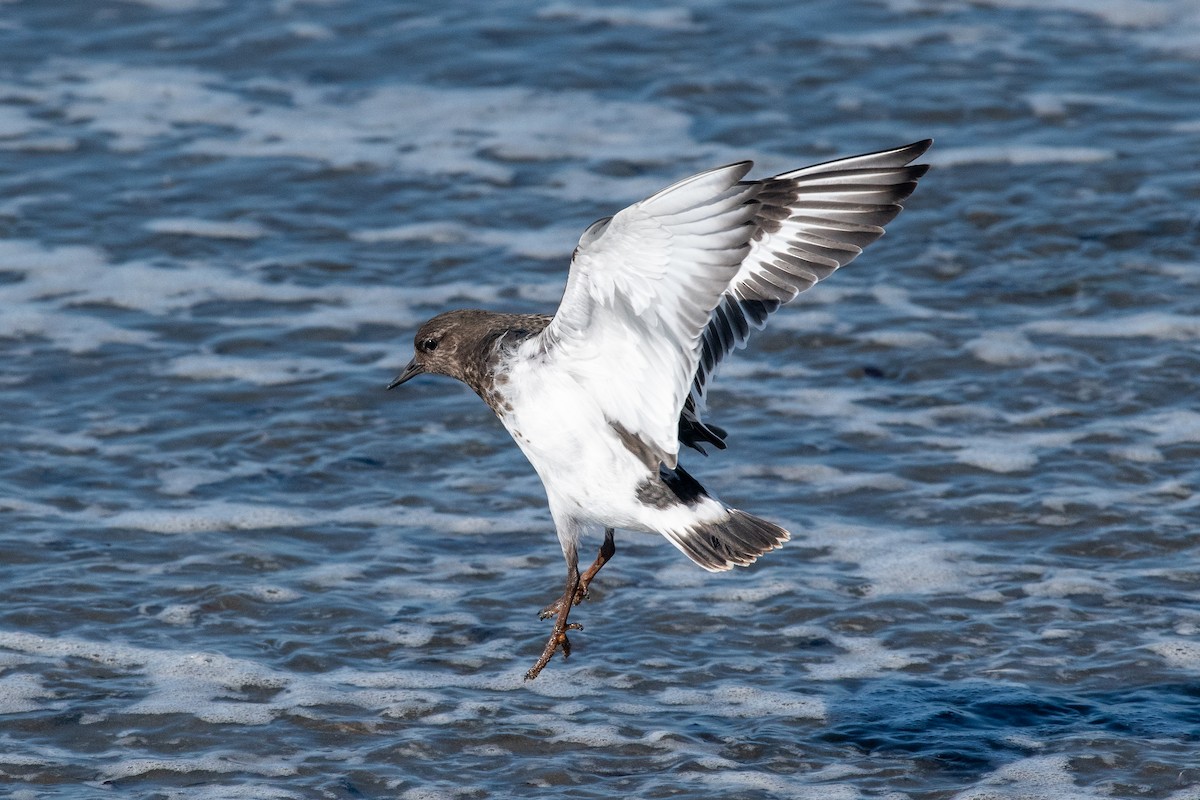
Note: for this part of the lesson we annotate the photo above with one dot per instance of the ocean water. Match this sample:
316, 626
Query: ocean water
231, 565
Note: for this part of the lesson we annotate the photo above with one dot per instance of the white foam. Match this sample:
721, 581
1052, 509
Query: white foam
1005, 348
59, 288
903, 339
1180, 35
411, 635
218, 515
1150, 324
219, 791
1183, 653
214, 516
434, 791
546, 243
1045, 777
50, 278
1144, 454
1067, 583
185, 480
311, 31
1173, 426
1186, 272
898, 561
435, 232
670, 19
997, 455
860, 656
414, 128
894, 37
216, 763
181, 681
21, 692
839, 404
1019, 155
15, 122
272, 370
747, 590
72, 442
1054, 105
1118, 13
40, 144
7, 756
26, 507
1010, 451
74, 333
269, 593
898, 299
737, 701
56, 278
208, 685
179, 614
180, 226
827, 479
734, 783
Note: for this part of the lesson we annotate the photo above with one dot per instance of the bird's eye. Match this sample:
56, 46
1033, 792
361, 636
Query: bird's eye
429, 345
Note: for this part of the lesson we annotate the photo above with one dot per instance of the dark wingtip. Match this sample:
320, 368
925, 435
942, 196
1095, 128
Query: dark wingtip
916, 149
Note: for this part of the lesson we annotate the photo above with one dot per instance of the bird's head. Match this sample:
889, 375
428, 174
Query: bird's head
445, 345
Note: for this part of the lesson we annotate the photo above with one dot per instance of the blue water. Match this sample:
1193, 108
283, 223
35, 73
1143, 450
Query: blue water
233, 566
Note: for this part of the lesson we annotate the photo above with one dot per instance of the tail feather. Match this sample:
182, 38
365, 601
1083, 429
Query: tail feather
735, 541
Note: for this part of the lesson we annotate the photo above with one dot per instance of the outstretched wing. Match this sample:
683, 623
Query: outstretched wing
809, 222
642, 287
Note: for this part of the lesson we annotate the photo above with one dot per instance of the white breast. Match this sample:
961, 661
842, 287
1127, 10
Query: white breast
588, 473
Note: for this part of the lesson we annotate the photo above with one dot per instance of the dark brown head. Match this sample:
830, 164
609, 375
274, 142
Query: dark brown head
449, 344
466, 345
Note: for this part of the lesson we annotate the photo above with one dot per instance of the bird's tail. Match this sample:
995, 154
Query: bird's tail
734, 540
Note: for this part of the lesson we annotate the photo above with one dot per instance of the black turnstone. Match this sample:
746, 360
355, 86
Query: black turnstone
601, 395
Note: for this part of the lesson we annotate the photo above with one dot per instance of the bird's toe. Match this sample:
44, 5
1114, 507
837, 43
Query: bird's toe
551, 610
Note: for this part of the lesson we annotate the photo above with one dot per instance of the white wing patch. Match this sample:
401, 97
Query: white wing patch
641, 289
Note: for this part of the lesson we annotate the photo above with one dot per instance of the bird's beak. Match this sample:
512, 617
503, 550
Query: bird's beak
411, 371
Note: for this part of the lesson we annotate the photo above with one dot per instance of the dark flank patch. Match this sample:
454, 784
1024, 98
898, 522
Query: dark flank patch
671, 488
635, 444
651, 492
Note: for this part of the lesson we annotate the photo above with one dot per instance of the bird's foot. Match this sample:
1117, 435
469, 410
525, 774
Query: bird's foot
558, 640
554, 608
585, 580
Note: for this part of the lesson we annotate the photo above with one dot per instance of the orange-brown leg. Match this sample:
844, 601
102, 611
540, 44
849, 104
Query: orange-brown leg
558, 637
607, 549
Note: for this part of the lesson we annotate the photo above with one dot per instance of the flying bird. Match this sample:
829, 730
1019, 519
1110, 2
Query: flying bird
601, 396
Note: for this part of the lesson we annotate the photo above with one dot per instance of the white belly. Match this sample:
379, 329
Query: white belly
588, 473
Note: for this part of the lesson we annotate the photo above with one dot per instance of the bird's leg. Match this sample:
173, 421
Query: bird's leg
558, 637
607, 549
